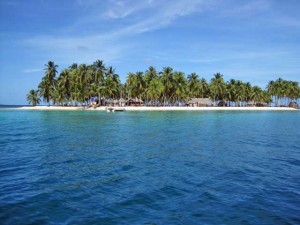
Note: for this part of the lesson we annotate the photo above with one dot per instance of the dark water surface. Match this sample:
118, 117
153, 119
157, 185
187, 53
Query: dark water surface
91, 167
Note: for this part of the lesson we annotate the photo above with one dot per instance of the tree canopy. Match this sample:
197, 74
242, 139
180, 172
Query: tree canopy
80, 84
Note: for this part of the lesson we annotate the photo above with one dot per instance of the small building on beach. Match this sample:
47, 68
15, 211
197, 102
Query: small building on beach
134, 102
199, 102
261, 104
117, 102
294, 105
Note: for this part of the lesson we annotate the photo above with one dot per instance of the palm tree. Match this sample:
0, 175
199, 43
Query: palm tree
110, 88
74, 85
84, 78
45, 90
99, 67
50, 72
240, 92
292, 91
131, 84
79, 84
167, 80
257, 94
193, 84
135, 84
123, 90
73, 66
58, 96
63, 83
83, 74
266, 97
272, 90
76, 95
150, 74
218, 87
92, 89
180, 86
203, 88
231, 91
33, 97
155, 89
110, 72
283, 91
279, 90
47, 85
99, 76
140, 85
248, 90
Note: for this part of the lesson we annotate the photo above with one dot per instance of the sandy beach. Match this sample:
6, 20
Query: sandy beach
144, 108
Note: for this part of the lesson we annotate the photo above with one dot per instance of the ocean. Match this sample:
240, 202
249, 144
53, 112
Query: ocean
92, 167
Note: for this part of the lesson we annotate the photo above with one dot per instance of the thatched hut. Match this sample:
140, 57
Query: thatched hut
199, 102
117, 102
191, 103
261, 104
134, 102
294, 105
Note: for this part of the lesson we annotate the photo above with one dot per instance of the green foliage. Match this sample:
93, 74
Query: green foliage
33, 97
283, 91
77, 84
155, 90
218, 87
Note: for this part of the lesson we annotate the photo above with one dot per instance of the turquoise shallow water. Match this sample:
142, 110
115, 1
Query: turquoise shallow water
87, 167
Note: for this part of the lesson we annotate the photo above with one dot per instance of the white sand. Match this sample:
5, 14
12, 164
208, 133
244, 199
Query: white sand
144, 108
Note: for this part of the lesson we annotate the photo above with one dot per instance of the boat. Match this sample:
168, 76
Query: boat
115, 109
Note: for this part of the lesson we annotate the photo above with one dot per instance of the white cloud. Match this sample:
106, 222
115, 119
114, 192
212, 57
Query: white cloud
120, 11
109, 44
131, 18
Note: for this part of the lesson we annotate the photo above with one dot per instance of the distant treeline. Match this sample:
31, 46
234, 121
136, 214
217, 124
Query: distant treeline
78, 84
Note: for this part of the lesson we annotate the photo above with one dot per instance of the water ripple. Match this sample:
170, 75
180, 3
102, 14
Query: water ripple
91, 167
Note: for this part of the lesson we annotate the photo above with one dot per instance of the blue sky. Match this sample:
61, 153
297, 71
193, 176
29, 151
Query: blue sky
251, 40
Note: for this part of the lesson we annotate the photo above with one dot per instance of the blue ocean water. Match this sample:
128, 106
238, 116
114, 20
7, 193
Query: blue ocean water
91, 167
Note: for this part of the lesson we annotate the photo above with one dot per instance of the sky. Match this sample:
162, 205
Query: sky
250, 40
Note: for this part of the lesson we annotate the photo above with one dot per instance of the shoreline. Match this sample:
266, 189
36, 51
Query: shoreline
163, 108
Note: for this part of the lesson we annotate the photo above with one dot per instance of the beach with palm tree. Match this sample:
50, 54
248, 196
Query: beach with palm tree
96, 86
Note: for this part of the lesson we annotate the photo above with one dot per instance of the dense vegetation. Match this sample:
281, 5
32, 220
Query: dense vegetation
79, 84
